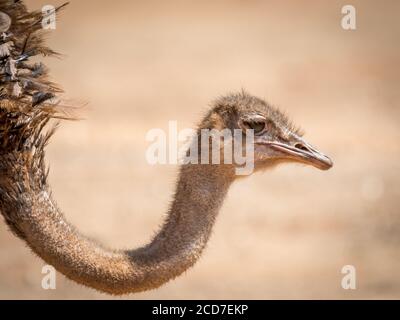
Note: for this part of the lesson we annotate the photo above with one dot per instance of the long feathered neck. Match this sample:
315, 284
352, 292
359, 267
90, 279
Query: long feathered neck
26, 106
31, 213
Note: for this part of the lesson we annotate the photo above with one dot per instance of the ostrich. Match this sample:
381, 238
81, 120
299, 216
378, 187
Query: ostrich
26, 202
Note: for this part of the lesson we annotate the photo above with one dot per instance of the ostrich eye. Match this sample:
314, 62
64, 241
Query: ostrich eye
257, 126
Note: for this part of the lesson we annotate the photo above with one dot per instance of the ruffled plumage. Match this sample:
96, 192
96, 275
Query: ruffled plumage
27, 98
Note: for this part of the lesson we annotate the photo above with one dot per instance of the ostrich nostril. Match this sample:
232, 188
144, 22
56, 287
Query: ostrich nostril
301, 147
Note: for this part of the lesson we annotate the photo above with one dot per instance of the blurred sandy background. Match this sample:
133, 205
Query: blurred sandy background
282, 234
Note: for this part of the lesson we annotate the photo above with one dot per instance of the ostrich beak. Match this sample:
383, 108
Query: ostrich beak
303, 152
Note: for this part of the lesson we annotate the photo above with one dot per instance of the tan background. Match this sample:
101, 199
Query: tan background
282, 234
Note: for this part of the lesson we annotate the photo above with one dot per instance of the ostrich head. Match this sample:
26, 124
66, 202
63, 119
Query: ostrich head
276, 139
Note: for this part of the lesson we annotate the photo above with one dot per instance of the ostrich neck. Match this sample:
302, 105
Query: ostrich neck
179, 243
